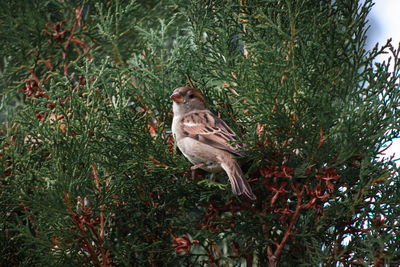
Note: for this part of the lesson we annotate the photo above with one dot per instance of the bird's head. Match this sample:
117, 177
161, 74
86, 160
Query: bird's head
186, 99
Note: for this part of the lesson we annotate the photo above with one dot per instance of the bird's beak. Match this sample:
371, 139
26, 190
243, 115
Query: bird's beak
177, 97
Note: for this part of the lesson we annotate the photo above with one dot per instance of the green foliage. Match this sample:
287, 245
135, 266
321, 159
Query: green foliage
89, 174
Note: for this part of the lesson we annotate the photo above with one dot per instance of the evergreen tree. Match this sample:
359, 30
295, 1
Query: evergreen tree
90, 175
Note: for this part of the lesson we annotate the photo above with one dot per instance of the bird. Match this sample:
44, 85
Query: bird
205, 139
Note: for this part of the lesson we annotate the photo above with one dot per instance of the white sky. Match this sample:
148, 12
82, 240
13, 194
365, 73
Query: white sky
384, 20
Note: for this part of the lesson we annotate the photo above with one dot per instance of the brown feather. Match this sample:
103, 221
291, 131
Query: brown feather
207, 128
238, 183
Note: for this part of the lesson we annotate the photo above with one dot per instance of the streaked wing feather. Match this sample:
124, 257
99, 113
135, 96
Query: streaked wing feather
209, 129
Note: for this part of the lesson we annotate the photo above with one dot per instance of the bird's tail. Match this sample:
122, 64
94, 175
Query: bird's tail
238, 182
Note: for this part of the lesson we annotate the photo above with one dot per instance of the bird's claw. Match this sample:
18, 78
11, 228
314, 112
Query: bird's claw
195, 167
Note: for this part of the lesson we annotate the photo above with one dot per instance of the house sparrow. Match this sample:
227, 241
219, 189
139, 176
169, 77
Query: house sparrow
203, 138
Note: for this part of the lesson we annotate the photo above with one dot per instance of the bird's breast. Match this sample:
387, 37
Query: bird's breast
197, 153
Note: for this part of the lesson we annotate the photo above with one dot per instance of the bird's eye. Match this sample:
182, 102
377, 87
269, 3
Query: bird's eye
191, 96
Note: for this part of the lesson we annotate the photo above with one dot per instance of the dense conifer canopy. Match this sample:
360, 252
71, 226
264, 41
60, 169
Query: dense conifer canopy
90, 175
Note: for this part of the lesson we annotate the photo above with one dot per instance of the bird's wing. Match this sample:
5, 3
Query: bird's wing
207, 128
